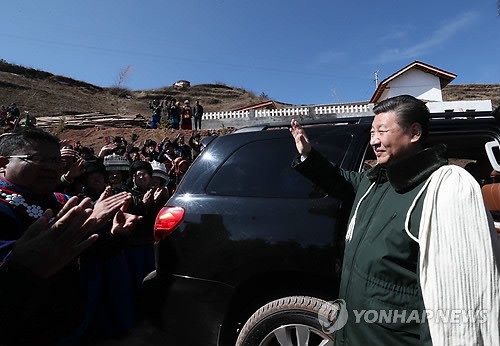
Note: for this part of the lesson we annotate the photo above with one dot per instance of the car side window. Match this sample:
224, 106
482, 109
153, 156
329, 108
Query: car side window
464, 149
467, 150
263, 169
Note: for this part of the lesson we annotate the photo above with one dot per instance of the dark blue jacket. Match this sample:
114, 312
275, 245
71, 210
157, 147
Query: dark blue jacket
33, 310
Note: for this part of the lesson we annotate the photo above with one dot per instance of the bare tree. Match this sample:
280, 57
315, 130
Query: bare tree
124, 74
119, 90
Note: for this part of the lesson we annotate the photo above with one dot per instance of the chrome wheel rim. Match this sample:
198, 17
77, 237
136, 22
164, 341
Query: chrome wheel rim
299, 335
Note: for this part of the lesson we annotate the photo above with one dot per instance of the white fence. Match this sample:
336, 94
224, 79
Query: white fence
339, 110
359, 109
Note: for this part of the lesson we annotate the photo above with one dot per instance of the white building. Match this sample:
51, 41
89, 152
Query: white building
425, 82
420, 80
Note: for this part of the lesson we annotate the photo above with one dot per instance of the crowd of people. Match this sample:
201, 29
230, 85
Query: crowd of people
173, 156
77, 232
176, 116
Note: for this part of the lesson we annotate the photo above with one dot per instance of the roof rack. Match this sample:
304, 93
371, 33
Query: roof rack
334, 119
307, 122
462, 115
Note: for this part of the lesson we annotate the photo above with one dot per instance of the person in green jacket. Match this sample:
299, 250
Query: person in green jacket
381, 279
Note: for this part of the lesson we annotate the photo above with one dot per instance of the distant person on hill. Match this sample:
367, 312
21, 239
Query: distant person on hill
197, 115
165, 104
29, 120
187, 115
13, 115
156, 110
13, 111
175, 114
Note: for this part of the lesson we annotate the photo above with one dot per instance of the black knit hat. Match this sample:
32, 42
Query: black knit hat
94, 166
89, 167
141, 165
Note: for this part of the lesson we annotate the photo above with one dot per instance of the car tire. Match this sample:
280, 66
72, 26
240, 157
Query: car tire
295, 320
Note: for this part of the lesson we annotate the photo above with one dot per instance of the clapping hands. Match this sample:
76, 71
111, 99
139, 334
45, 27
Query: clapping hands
155, 196
49, 244
52, 242
110, 206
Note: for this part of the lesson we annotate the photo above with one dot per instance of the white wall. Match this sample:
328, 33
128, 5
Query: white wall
460, 106
417, 83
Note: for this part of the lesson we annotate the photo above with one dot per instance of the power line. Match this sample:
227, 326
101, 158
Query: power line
179, 60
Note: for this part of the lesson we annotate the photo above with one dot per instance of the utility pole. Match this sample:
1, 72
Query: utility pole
376, 79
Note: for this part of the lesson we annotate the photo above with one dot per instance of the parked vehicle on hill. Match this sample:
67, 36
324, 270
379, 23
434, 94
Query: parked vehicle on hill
181, 84
247, 243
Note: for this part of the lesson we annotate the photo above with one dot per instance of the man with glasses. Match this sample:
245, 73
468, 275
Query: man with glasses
40, 287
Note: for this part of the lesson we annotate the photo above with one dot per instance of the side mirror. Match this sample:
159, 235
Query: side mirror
489, 146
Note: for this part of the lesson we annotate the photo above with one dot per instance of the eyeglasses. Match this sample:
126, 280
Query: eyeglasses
38, 159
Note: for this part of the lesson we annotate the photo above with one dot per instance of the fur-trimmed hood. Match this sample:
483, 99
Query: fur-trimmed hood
409, 172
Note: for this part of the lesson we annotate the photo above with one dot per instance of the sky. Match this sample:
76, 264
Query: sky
293, 51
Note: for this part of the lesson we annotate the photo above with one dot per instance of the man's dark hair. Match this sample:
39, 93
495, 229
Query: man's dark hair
134, 149
86, 151
409, 110
21, 137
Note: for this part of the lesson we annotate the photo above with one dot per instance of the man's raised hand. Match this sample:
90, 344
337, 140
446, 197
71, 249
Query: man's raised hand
301, 140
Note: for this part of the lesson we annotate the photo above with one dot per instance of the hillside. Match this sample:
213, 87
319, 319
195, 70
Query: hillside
473, 92
42, 93
45, 94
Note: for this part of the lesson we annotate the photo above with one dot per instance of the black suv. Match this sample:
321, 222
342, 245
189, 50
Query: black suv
249, 248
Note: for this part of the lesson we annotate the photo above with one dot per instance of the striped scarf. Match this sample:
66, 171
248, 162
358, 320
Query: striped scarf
459, 261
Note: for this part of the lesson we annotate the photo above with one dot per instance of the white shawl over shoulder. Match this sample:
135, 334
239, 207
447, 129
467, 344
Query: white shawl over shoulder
459, 268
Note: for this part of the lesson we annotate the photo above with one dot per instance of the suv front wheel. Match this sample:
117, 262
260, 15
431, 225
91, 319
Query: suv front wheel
295, 320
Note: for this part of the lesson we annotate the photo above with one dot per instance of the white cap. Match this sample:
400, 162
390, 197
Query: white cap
159, 170
116, 162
